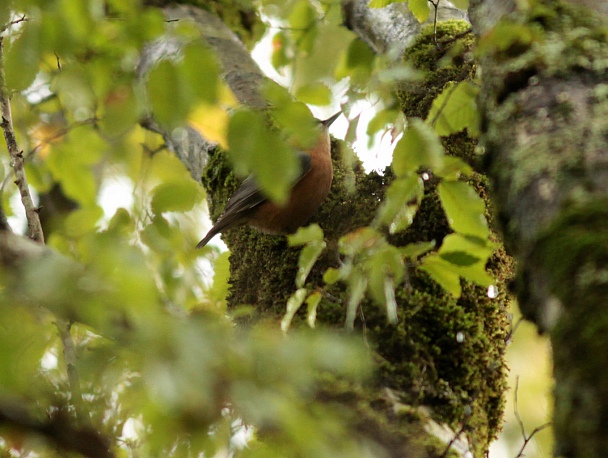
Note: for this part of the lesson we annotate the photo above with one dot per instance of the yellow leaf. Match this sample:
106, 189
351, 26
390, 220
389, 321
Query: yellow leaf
212, 123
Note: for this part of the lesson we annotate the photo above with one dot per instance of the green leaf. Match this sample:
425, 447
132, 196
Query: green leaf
5, 12
165, 86
413, 250
309, 255
303, 22
357, 63
452, 168
504, 35
332, 275
386, 263
401, 203
419, 147
82, 221
460, 258
177, 196
304, 235
464, 209
201, 73
312, 302
443, 273
420, 9
23, 57
357, 284
314, 94
254, 147
280, 44
121, 111
455, 109
294, 302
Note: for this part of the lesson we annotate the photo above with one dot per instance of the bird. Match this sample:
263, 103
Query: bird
248, 205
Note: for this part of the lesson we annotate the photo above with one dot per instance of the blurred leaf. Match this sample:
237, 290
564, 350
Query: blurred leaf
212, 123
332, 275
413, 250
201, 73
169, 105
254, 147
279, 56
307, 234
293, 118
401, 203
385, 269
82, 221
465, 210
165, 166
356, 286
314, 94
312, 302
293, 304
22, 58
5, 12
420, 9
503, 35
419, 147
356, 63
452, 168
455, 109
309, 255
303, 23
179, 196
221, 274
122, 223
121, 111
380, 120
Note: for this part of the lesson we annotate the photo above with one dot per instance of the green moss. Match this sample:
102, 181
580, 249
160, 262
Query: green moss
453, 348
422, 357
451, 61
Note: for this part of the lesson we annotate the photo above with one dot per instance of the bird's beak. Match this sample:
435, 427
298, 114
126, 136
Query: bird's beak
330, 120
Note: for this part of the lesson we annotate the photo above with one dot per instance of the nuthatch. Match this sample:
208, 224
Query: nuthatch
249, 206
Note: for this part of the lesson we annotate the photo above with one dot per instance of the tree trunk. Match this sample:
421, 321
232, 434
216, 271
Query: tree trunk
544, 106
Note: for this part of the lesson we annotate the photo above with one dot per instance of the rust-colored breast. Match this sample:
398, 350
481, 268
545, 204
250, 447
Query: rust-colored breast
306, 196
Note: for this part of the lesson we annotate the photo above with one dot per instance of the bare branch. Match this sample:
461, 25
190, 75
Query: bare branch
31, 212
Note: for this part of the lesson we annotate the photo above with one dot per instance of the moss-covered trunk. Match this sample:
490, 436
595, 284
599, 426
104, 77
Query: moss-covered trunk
545, 105
444, 354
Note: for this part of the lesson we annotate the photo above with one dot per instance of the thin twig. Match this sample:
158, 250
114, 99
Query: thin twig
31, 212
536, 430
69, 354
12, 23
436, 6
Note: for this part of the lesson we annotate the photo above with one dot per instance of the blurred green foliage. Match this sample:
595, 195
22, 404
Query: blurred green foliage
162, 370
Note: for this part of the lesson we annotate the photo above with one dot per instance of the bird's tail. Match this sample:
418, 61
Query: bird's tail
208, 237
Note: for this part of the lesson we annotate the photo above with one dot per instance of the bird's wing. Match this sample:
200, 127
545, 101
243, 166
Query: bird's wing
245, 200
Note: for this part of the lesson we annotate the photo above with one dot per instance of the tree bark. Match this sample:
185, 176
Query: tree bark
545, 139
